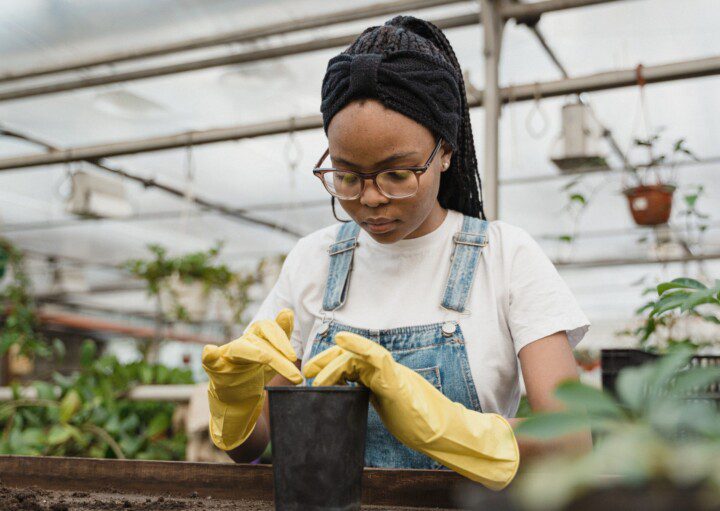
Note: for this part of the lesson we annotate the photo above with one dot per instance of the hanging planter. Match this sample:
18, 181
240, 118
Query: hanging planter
650, 198
650, 205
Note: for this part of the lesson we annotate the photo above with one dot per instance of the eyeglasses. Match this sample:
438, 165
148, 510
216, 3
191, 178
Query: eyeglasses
393, 183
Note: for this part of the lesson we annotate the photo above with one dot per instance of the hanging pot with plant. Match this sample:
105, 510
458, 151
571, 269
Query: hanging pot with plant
650, 198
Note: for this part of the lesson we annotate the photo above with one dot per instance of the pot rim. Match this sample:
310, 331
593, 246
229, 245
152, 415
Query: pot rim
641, 188
329, 388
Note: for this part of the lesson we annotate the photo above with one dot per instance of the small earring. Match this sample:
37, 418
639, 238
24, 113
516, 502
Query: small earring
446, 164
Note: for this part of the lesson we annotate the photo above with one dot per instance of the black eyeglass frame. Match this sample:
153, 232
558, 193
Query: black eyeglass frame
320, 172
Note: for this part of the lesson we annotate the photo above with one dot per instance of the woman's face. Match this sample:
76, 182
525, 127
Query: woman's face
361, 137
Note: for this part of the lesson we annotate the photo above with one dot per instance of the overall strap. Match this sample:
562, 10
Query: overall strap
341, 261
469, 243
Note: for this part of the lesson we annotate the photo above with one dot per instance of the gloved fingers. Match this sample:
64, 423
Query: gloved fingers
367, 350
276, 360
286, 320
210, 354
257, 350
213, 357
275, 335
338, 370
319, 361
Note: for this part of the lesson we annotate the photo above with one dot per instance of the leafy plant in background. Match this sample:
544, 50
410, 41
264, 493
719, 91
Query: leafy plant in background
20, 325
676, 301
657, 159
659, 431
161, 271
88, 413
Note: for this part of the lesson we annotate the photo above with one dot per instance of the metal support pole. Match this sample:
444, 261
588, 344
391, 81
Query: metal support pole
493, 24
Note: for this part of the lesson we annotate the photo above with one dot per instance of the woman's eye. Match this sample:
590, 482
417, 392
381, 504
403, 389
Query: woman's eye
398, 175
347, 179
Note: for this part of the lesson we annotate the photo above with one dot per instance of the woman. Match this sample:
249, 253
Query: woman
418, 297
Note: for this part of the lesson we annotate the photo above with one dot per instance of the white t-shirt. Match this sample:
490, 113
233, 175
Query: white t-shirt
517, 297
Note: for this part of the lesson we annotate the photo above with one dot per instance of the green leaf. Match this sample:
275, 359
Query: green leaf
59, 434
130, 423
45, 390
698, 298
669, 301
158, 425
130, 445
578, 197
88, 351
112, 426
682, 283
34, 436
632, 386
579, 397
69, 405
552, 425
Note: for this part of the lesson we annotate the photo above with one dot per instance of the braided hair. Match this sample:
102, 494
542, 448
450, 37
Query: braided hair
460, 184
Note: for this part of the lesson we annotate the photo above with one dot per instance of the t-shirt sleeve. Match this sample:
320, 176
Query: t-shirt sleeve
540, 302
280, 297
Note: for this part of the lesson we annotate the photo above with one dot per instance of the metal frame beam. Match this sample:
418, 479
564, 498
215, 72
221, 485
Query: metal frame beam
234, 213
519, 11
234, 37
526, 92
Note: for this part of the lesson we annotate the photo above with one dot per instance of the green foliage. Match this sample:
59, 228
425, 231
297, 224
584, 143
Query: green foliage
658, 427
196, 267
657, 158
678, 298
18, 318
88, 414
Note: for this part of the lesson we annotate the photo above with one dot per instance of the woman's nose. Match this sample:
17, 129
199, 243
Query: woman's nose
371, 195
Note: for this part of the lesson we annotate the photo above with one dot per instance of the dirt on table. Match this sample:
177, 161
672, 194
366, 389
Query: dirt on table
37, 499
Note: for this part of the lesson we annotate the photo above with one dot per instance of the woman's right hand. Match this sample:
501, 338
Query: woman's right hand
238, 372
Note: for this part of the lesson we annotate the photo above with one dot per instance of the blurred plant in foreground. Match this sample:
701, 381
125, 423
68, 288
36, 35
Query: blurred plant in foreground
661, 433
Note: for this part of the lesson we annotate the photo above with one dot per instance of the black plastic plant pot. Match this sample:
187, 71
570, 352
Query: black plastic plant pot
318, 446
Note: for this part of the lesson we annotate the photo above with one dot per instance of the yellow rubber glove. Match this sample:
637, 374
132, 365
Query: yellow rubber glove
480, 446
239, 371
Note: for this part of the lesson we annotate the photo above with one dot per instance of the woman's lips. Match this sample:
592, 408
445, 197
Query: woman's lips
381, 228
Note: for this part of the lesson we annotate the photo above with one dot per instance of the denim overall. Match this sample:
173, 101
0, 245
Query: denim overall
435, 351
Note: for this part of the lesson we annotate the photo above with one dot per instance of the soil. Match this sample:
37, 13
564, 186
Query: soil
36, 499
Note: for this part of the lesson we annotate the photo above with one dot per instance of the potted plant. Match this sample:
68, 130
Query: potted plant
650, 197
685, 312
657, 443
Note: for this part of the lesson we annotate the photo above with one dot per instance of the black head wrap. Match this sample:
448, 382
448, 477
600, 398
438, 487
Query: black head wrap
423, 86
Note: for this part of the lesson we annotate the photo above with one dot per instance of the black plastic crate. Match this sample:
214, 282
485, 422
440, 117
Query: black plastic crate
612, 361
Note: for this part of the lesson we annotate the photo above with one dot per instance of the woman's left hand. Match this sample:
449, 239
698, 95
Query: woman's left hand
480, 446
